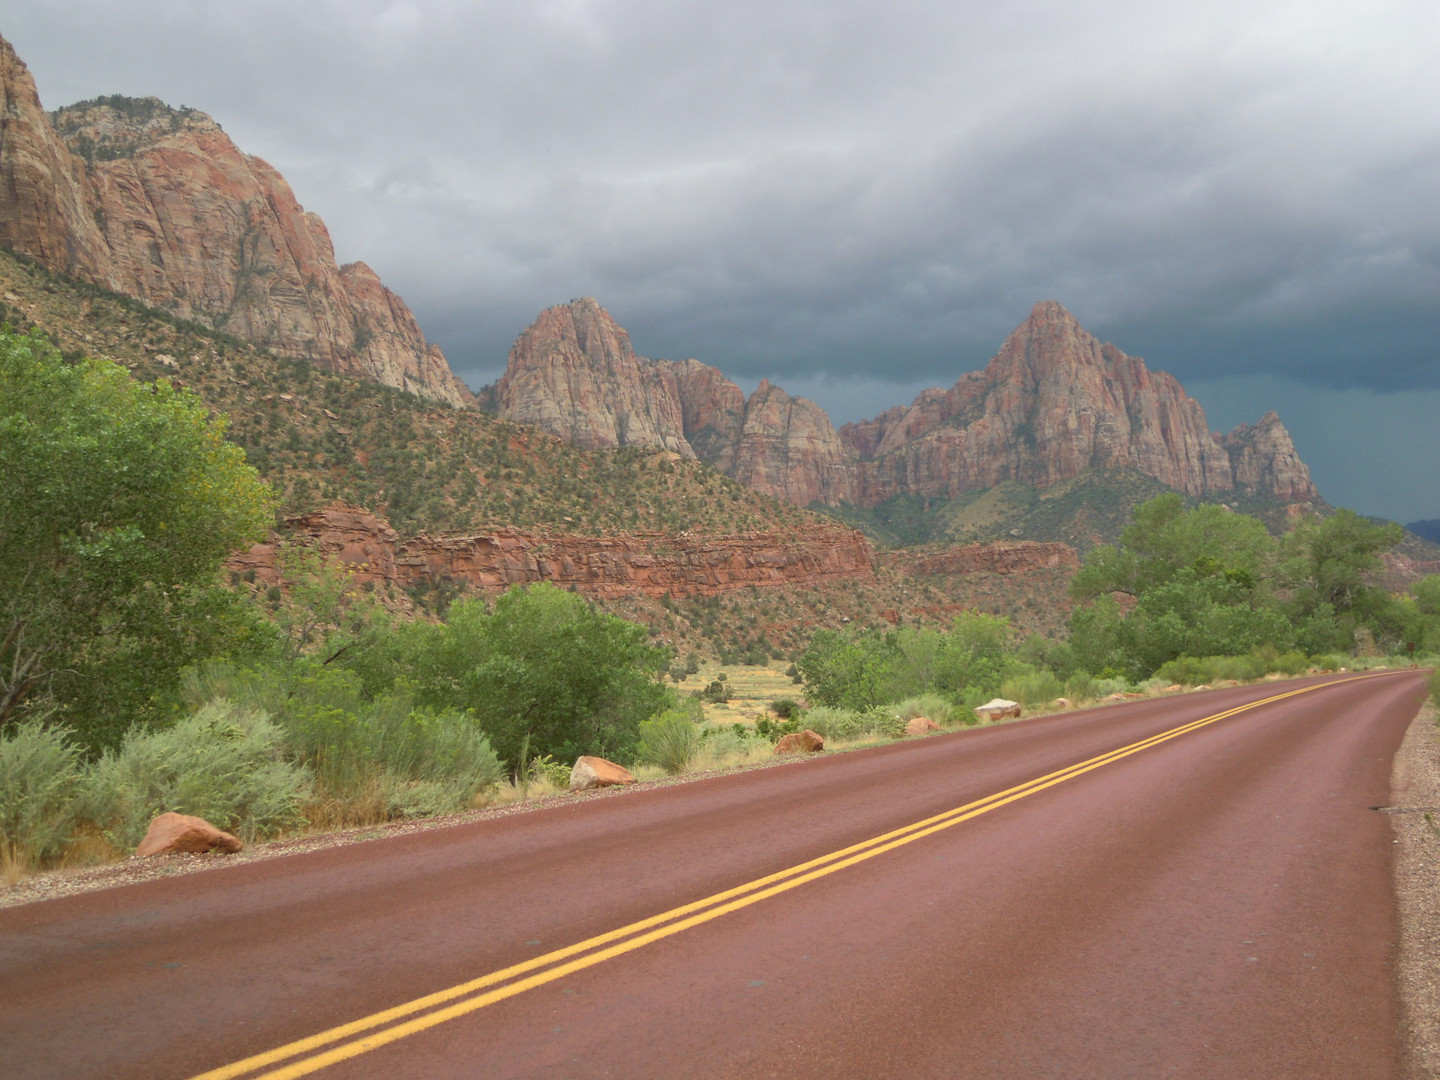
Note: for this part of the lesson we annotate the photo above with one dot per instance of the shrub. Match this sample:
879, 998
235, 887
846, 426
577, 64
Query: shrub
717, 693
379, 759
1080, 686
39, 776
1435, 685
670, 740
839, 724
1038, 688
1290, 663
222, 764
785, 708
933, 706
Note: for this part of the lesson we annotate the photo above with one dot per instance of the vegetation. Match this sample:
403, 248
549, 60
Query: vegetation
120, 501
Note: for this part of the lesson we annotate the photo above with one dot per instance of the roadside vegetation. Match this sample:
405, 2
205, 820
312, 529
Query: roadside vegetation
132, 681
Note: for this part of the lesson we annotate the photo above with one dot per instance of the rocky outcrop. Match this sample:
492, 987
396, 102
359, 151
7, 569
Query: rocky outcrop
1053, 403
652, 565
172, 833
789, 450
1262, 458
573, 373
159, 204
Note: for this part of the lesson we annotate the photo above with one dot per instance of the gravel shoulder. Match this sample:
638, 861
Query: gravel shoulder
1415, 816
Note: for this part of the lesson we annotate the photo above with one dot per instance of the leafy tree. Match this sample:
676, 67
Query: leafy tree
544, 666
1163, 538
1325, 565
119, 502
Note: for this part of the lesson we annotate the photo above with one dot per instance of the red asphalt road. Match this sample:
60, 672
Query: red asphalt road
1217, 905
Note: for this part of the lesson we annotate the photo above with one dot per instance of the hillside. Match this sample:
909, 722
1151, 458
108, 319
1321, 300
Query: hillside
428, 468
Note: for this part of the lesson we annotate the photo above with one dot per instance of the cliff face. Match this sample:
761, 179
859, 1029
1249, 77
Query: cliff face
574, 374
1053, 403
159, 204
605, 568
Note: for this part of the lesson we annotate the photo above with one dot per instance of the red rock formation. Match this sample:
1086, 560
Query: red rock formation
1053, 403
573, 373
159, 204
602, 567
1263, 458
789, 450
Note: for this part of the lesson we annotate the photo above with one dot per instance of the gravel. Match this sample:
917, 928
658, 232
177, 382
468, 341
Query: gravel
1414, 787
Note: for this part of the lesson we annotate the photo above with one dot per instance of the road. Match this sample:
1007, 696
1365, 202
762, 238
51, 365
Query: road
1192, 887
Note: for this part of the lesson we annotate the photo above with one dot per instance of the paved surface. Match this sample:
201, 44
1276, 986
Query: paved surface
1217, 904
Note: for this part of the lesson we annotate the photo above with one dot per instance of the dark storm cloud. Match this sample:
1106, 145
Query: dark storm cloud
842, 196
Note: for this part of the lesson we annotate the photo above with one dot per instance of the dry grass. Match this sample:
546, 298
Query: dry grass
752, 690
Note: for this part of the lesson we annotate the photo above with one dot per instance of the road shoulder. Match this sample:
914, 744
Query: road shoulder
1414, 785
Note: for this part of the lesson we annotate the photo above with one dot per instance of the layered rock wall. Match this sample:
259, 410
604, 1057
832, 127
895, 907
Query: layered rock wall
601, 567
159, 204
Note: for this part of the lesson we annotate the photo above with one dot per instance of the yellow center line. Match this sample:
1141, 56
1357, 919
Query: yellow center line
602, 947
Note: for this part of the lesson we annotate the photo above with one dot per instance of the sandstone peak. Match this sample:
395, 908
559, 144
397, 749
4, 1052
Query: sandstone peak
1053, 403
159, 204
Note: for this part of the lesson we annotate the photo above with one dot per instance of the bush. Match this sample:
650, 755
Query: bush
1290, 663
39, 777
717, 693
222, 764
831, 722
1039, 688
841, 724
379, 759
1080, 686
785, 708
671, 740
933, 706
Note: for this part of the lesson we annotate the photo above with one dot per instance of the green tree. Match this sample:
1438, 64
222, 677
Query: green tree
118, 503
1326, 564
543, 666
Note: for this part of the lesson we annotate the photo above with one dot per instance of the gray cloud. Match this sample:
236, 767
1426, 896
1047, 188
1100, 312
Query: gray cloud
844, 195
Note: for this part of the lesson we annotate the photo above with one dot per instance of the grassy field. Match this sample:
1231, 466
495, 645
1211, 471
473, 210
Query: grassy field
752, 690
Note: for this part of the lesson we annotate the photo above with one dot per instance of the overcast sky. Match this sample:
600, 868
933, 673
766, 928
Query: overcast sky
858, 200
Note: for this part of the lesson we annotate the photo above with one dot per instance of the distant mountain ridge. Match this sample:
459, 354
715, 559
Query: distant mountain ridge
160, 205
1053, 404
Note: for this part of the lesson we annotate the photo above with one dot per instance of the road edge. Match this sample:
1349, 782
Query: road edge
1414, 783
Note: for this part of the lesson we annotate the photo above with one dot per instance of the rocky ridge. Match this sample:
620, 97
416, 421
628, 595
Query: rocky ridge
1054, 403
606, 568
159, 204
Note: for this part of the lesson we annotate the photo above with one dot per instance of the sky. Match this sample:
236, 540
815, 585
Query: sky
860, 200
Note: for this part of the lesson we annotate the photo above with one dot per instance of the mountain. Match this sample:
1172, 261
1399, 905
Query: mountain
1053, 405
573, 373
159, 204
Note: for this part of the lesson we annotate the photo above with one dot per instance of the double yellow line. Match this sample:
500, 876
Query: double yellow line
358, 1037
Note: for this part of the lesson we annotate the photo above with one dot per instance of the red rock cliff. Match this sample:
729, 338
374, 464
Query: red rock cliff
159, 204
602, 567
1053, 403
